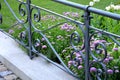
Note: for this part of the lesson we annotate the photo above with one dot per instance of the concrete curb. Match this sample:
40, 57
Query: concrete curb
17, 61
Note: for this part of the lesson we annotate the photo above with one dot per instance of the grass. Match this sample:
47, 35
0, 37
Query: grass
49, 4
8, 19
101, 5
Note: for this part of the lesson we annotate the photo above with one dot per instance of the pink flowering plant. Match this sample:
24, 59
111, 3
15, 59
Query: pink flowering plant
71, 50
59, 37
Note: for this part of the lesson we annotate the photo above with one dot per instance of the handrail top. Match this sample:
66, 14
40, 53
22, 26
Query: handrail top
90, 9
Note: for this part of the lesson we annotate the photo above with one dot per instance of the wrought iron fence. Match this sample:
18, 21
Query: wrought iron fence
82, 46
0, 15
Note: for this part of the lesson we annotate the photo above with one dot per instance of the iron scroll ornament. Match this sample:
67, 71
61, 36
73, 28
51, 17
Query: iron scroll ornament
98, 48
36, 44
23, 12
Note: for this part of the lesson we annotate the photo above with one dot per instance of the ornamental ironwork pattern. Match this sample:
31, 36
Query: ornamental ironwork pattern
85, 52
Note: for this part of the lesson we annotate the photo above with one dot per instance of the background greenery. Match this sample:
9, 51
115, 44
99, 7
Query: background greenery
8, 19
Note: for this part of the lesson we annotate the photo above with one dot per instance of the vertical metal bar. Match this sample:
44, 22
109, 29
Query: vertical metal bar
0, 15
0, 6
87, 44
29, 27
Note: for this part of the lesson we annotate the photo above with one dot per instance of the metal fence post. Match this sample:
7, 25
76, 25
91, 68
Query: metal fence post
0, 15
87, 43
29, 27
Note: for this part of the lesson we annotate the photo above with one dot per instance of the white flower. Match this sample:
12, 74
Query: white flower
108, 8
112, 6
91, 3
117, 7
96, 0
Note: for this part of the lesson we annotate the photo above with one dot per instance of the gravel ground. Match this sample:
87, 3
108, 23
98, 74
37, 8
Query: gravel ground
6, 74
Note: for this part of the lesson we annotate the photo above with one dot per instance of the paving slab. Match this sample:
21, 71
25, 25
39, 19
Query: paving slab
18, 61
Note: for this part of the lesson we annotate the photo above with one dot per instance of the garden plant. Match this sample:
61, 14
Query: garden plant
62, 35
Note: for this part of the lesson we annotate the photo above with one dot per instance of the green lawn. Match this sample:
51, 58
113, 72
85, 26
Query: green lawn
8, 19
49, 4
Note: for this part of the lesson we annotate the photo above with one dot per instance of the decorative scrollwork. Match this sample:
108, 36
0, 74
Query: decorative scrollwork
75, 39
23, 11
76, 58
37, 15
98, 52
36, 42
98, 72
23, 37
34, 13
77, 62
98, 48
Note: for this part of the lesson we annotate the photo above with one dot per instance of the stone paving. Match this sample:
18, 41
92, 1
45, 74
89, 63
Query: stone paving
6, 74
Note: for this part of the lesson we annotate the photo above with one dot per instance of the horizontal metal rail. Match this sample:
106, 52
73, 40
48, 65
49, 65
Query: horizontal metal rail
90, 9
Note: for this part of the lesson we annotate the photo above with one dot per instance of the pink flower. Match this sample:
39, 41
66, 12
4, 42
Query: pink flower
43, 39
71, 14
37, 44
11, 31
70, 63
98, 41
106, 60
80, 67
44, 47
81, 60
47, 17
74, 14
77, 54
64, 26
110, 71
115, 49
66, 13
110, 58
67, 27
93, 69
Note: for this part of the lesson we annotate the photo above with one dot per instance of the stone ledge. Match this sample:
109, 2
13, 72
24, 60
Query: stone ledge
17, 61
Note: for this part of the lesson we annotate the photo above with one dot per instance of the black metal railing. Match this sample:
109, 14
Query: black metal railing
0, 16
81, 39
